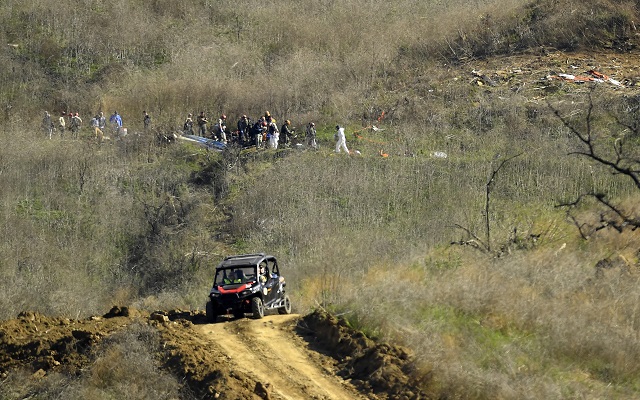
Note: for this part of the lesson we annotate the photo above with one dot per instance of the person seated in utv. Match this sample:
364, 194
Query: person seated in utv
236, 277
264, 274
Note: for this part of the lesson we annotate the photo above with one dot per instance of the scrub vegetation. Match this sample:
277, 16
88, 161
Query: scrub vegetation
500, 292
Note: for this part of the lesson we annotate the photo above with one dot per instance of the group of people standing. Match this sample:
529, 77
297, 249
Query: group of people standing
261, 133
99, 125
264, 132
68, 121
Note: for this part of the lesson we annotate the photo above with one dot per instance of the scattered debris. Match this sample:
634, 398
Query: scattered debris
439, 154
482, 79
592, 76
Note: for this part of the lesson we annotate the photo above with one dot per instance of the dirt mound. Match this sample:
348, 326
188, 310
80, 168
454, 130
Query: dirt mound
382, 369
39, 343
278, 357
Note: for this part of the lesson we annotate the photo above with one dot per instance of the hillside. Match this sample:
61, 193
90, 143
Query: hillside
481, 244
182, 355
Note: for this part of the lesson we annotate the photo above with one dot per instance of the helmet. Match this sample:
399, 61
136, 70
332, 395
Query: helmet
313, 124
244, 116
337, 126
287, 122
267, 114
264, 123
223, 116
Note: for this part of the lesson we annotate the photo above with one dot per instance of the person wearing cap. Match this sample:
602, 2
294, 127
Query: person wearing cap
243, 128
341, 140
286, 134
311, 136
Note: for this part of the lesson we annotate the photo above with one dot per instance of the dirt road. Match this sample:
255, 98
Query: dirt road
269, 351
317, 356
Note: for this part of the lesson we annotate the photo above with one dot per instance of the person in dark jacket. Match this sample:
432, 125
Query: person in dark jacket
286, 134
202, 124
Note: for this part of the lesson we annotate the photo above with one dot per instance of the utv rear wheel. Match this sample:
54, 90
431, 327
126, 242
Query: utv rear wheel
257, 308
211, 313
286, 309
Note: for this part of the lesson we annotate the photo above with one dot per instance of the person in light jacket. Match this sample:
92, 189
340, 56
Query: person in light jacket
341, 140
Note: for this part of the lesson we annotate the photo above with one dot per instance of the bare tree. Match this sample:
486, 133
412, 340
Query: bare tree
475, 241
618, 156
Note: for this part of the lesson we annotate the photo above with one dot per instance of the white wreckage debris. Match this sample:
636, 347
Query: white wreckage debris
438, 154
591, 76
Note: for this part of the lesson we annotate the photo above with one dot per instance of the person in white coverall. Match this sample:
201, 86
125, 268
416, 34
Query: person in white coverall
341, 140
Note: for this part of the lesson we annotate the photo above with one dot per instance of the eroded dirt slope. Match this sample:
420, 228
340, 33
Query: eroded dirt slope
278, 357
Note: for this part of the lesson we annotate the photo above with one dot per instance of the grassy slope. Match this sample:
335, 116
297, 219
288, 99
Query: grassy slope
87, 226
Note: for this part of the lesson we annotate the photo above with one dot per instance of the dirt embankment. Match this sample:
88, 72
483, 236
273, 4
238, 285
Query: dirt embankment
278, 357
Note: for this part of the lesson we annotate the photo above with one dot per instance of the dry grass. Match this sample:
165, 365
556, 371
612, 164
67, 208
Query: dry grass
530, 326
85, 227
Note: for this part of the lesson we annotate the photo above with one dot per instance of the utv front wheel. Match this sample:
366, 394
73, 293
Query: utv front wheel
286, 309
257, 308
211, 314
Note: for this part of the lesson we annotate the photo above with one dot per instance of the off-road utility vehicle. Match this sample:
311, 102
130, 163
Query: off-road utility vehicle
247, 283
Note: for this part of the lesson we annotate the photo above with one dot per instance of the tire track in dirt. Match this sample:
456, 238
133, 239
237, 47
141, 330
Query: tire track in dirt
268, 350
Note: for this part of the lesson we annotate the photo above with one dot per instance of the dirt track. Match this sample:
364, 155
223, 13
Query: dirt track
287, 357
278, 357
268, 350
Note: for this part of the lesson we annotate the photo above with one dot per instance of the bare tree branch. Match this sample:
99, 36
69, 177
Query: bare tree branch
619, 164
477, 242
